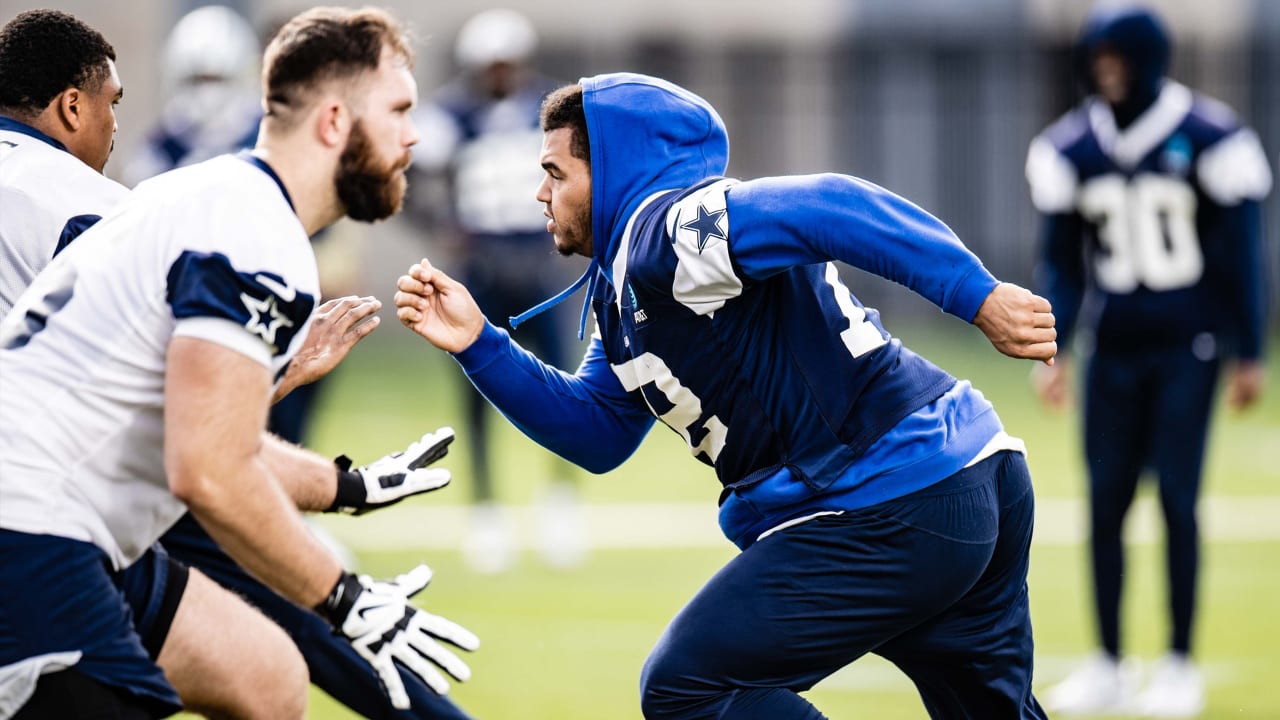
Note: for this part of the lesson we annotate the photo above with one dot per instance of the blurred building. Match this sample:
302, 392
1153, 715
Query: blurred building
934, 99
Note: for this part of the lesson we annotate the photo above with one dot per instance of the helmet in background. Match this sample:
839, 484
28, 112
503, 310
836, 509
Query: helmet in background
210, 43
494, 36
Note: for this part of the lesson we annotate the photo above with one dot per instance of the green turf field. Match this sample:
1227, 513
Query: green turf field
569, 645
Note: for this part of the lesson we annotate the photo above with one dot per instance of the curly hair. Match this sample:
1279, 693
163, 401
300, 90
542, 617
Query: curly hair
323, 44
44, 52
563, 109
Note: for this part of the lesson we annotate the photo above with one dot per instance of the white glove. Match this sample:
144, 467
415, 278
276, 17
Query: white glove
390, 479
384, 628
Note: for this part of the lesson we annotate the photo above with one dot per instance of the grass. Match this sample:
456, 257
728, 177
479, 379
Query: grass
569, 645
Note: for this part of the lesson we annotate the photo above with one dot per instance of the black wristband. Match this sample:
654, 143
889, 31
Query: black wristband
350, 495
342, 597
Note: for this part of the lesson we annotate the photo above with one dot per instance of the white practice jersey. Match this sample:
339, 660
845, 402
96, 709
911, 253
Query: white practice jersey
47, 198
212, 251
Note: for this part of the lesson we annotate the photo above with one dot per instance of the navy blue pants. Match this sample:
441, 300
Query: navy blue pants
935, 582
506, 275
335, 666
60, 597
1147, 409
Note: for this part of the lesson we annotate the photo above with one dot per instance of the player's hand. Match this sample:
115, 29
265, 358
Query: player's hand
1018, 323
1245, 384
438, 308
1052, 384
336, 326
390, 479
385, 629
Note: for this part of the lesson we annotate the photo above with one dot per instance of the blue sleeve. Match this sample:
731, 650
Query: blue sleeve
587, 418
781, 222
1061, 274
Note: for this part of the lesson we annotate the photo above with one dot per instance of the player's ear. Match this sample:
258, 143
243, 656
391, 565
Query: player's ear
333, 123
70, 103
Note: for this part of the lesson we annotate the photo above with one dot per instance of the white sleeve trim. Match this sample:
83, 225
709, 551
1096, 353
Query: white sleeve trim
227, 333
1235, 169
1052, 178
998, 442
704, 278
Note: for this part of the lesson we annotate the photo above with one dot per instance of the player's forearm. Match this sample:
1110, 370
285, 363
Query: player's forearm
248, 514
1060, 274
215, 407
1248, 268
586, 418
310, 480
291, 381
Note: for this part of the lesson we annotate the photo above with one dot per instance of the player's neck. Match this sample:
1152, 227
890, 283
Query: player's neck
307, 176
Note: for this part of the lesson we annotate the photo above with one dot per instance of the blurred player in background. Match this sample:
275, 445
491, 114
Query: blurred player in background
1152, 246
877, 501
57, 88
478, 166
209, 79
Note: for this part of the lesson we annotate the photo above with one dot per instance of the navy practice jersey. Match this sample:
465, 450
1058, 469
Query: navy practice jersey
720, 313
1159, 221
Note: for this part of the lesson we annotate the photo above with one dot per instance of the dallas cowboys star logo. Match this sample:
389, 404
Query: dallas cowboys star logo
707, 225
264, 317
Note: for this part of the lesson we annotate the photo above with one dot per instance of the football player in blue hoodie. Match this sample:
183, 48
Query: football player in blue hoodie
877, 501
1152, 245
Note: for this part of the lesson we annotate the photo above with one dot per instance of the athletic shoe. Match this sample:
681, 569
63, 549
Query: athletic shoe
1101, 685
489, 545
562, 528
1176, 690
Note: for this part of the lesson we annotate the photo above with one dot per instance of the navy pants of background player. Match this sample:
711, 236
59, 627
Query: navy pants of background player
935, 582
1147, 408
335, 667
506, 275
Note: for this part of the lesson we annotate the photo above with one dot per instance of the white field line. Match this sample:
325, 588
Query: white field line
419, 524
873, 673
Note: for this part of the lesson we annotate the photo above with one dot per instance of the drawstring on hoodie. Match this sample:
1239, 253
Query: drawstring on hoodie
589, 278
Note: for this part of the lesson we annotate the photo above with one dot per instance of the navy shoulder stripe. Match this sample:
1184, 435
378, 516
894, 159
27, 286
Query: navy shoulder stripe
74, 228
207, 285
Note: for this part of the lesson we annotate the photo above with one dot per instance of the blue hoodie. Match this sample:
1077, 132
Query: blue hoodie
718, 311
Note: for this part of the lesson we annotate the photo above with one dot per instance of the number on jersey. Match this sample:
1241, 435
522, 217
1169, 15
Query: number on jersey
1146, 227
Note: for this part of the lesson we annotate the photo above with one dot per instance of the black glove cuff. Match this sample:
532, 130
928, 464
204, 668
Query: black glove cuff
350, 495
342, 597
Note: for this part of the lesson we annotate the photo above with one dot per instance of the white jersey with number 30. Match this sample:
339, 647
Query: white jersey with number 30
213, 251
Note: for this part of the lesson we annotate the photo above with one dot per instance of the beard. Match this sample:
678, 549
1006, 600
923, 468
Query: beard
576, 237
369, 189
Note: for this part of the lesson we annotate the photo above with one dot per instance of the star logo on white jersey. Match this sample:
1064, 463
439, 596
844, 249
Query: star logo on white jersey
265, 318
285, 292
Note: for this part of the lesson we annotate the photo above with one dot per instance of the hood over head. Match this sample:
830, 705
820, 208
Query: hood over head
646, 135
1139, 36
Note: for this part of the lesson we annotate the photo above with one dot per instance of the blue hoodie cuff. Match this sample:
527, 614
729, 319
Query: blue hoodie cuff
485, 350
971, 292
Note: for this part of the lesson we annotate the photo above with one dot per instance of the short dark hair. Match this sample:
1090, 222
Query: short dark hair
563, 109
323, 44
44, 52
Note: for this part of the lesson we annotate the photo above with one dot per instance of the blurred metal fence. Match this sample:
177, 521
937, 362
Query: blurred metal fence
941, 118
